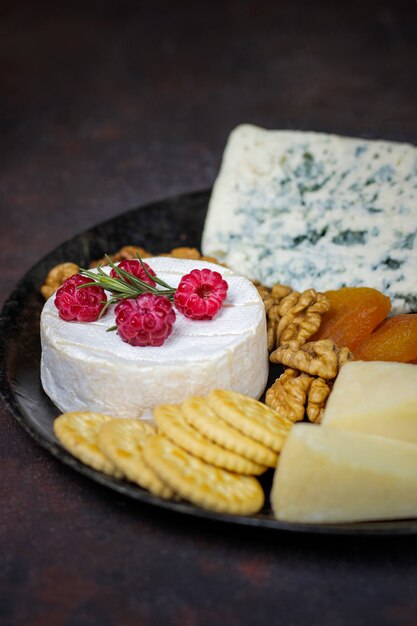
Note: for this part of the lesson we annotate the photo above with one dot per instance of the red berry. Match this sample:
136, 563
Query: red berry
200, 294
146, 320
83, 305
134, 267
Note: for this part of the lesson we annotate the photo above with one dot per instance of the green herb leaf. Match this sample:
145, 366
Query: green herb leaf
120, 288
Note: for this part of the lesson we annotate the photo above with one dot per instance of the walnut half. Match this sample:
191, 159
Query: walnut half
317, 397
190, 253
288, 394
317, 358
56, 277
125, 253
300, 316
272, 297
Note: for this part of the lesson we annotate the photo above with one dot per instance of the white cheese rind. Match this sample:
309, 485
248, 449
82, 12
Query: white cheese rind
317, 210
326, 475
375, 397
85, 368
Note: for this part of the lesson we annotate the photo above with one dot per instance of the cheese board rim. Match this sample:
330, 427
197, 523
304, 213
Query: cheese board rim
19, 376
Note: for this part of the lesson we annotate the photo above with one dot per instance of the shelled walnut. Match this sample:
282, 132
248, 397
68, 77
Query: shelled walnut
304, 386
300, 316
272, 297
131, 252
318, 358
125, 253
189, 253
317, 398
296, 394
60, 273
288, 394
56, 277
265, 293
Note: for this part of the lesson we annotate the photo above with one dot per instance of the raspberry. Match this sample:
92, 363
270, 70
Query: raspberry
134, 267
146, 320
83, 305
200, 294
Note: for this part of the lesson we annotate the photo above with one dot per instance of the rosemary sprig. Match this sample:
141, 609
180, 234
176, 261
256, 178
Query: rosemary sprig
120, 288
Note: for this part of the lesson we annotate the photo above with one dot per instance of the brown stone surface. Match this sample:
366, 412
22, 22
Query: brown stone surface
104, 106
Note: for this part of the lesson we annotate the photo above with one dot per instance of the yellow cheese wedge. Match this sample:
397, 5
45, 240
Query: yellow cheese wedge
331, 475
375, 397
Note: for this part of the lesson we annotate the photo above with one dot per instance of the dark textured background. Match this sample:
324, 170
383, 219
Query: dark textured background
105, 106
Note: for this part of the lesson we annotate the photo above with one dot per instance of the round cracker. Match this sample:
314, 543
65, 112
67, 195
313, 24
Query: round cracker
202, 484
172, 423
203, 418
78, 432
122, 441
251, 417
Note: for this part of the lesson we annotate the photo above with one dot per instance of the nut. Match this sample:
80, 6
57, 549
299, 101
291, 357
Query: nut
56, 277
288, 394
125, 253
184, 253
131, 252
301, 316
318, 358
345, 355
271, 298
278, 292
265, 293
190, 253
275, 312
316, 401
271, 334
287, 303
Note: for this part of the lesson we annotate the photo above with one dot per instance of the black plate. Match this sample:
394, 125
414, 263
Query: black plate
157, 227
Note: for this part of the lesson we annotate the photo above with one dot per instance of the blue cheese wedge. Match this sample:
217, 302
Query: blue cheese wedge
316, 210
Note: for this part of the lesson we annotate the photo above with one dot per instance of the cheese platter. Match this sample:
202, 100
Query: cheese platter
158, 227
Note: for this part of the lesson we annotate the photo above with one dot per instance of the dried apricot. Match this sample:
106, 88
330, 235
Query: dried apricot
394, 340
354, 313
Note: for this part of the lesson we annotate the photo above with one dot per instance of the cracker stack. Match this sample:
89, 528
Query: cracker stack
207, 450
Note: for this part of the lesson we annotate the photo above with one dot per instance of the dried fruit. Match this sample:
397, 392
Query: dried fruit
200, 294
354, 313
137, 269
394, 340
83, 305
146, 320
